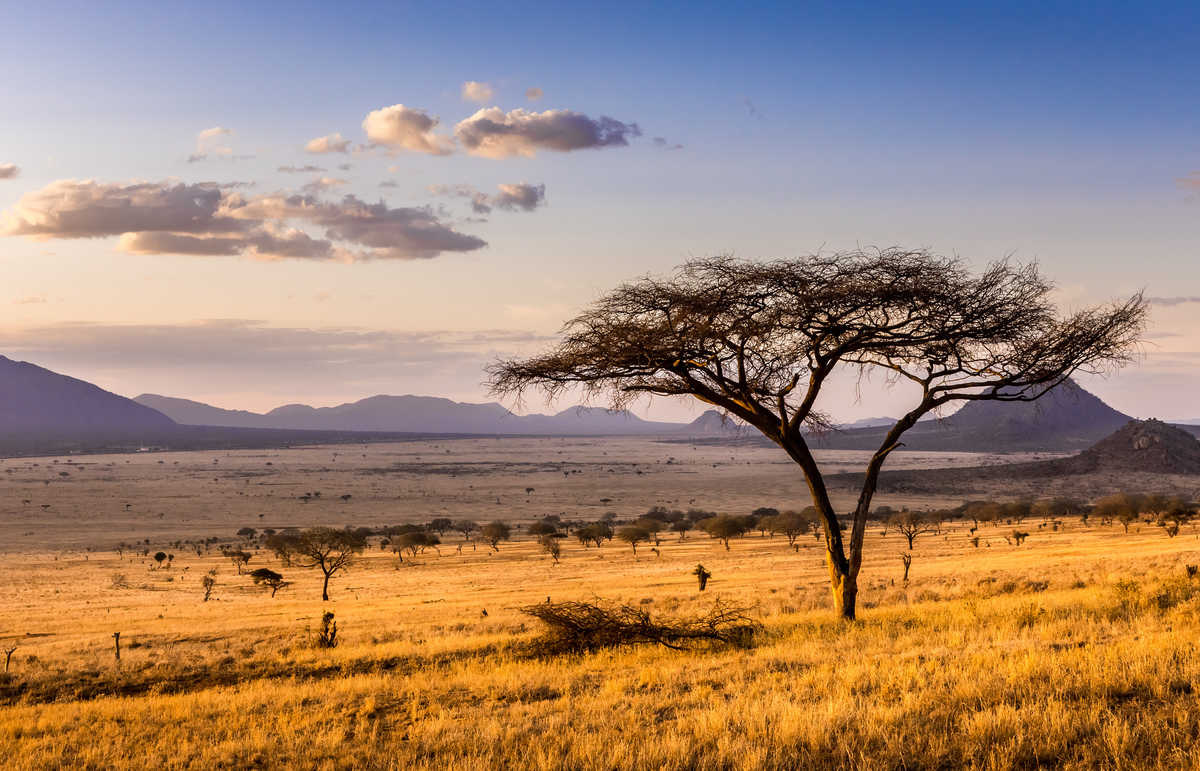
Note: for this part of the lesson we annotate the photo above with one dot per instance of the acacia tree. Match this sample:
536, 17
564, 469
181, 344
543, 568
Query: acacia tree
321, 547
760, 340
911, 524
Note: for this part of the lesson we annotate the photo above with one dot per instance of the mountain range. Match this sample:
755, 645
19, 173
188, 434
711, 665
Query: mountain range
426, 414
58, 411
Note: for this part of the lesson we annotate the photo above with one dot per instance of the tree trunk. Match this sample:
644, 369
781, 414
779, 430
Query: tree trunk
845, 594
325, 589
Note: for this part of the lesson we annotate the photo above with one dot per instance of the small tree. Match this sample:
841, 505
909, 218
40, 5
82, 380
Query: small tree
326, 548
906, 560
633, 535
465, 527
269, 578
594, 534
724, 527
327, 634
911, 524
541, 528
551, 546
159, 557
208, 582
702, 576
238, 557
681, 526
441, 525
414, 542
495, 532
790, 523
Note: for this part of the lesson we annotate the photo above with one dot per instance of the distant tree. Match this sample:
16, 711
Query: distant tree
441, 525
682, 526
269, 578
330, 550
159, 557
238, 557
653, 527
633, 535
761, 339
1122, 507
702, 576
723, 527
1017, 511
208, 582
791, 524
414, 542
906, 560
1019, 537
465, 527
542, 527
247, 532
594, 534
495, 532
551, 546
911, 524
762, 517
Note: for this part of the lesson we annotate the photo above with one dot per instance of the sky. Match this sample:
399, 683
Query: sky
253, 204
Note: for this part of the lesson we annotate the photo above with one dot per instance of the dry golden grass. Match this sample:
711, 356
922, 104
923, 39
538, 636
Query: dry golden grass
1076, 649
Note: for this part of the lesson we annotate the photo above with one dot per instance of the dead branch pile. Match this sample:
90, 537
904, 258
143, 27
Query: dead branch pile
580, 627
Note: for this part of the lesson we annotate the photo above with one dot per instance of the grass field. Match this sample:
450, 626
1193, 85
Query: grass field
1076, 649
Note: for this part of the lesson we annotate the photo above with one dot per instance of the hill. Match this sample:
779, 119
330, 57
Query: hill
414, 414
1067, 418
1142, 455
37, 402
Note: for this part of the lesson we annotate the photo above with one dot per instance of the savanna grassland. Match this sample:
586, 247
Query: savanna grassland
1075, 649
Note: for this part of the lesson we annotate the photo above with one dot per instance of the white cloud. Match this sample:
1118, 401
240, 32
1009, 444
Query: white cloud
330, 143
474, 91
493, 133
534, 94
405, 128
324, 183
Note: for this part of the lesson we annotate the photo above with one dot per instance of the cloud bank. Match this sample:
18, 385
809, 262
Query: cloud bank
9, 170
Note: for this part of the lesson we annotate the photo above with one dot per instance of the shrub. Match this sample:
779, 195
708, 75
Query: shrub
580, 627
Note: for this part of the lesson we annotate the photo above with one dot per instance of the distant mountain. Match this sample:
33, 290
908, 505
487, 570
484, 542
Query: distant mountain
419, 414
37, 402
714, 423
868, 423
1067, 418
1148, 446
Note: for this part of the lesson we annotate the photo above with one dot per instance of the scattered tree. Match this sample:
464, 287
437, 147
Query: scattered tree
551, 546
208, 582
633, 535
702, 576
495, 532
323, 547
911, 524
724, 527
269, 578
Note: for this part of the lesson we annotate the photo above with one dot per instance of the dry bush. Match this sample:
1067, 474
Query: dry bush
580, 627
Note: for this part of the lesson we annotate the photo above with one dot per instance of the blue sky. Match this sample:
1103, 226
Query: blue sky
1062, 132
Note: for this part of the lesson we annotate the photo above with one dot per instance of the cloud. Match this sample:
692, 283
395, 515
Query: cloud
474, 91
389, 183
330, 143
406, 128
520, 196
1191, 180
209, 144
1172, 301
309, 169
203, 219
663, 144
493, 133
36, 299
9, 170
512, 197
534, 94
324, 183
